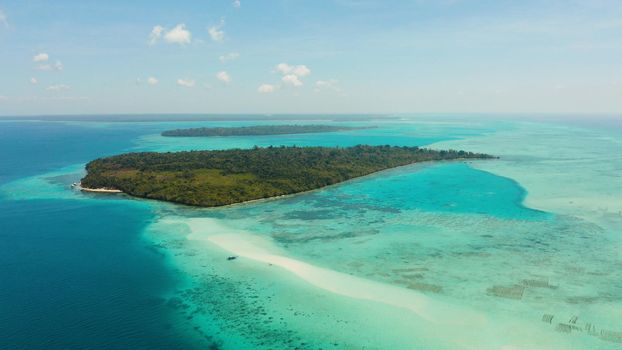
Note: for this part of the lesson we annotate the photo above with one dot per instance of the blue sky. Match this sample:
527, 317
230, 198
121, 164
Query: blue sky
320, 56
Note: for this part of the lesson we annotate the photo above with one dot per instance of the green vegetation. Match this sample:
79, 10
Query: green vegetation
257, 130
216, 178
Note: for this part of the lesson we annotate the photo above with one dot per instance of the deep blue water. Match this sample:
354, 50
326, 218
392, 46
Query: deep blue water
76, 274
29, 148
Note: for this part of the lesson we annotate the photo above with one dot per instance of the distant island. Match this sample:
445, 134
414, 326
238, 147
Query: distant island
217, 178
257, 130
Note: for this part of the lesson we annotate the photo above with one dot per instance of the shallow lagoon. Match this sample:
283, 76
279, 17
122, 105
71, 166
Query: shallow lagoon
455, 237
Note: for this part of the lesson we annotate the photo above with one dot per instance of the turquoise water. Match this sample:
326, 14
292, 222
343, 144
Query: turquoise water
519, 259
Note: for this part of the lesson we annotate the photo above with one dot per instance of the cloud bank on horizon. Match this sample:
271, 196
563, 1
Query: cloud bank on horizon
336, 56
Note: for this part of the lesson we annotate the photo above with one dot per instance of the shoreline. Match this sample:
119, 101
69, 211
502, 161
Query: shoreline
266, 199
362, 177
95, 190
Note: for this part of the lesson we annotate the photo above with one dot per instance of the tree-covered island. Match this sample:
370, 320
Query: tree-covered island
217, 178
257, 130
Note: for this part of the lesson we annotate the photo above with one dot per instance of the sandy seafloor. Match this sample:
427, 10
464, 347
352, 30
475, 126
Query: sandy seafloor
524, 252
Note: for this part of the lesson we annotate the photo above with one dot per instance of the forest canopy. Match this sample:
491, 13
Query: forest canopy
216, 178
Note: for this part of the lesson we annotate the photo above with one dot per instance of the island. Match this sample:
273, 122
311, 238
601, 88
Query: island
258, 130
223, 177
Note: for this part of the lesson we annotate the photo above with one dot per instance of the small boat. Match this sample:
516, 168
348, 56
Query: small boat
232, 257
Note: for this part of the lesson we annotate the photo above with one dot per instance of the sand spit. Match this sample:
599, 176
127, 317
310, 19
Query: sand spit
471, 328
262, 250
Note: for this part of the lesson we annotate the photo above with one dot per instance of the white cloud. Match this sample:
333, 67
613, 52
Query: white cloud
291, 75
156, 34
57, 66
40, 57
68, 98
266, 88
283, 68
178, 35
237, 4
52, 98
300, 70
186, 83
229, 57
152, 81
4, 18
330, 84
292, 79
33, 81
57, 87
216, 32
224, 77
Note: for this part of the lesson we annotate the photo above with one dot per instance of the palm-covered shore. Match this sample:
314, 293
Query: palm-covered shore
217, 178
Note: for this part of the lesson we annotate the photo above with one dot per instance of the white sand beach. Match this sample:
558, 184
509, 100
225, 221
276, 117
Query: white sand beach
471, 329
100, 190
261, 250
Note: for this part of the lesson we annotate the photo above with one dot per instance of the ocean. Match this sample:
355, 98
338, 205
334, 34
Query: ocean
519, 252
